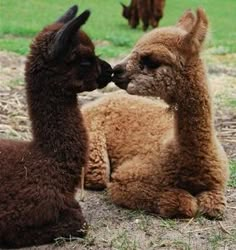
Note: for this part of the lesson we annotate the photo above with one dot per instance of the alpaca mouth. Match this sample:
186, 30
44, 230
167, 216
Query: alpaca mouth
104, 79
105, 75
88, 85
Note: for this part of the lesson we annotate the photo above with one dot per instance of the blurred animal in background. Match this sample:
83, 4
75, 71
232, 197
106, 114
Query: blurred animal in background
131, 13
148, 11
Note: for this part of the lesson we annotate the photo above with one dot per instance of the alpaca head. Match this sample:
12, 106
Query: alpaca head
160, 62
63, 52
130, 13
126, 12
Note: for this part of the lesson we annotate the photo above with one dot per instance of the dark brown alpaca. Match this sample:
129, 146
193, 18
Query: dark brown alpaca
131, 13
149, 11
39, 178
157, 8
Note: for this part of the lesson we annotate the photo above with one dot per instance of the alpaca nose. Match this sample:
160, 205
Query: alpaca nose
118, 70
120, 76
105, 75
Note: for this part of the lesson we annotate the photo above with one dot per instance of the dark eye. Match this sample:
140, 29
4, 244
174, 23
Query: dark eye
149, 62
85, 63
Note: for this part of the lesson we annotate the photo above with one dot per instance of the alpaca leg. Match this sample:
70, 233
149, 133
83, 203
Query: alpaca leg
167, 203
145, 25
174, 202
70, 223
212, 203
135, 190
134, 19
153, 22
143, 13
129, 189
97, 172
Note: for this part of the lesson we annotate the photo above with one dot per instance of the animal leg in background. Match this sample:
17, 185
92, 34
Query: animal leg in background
157, 9
97, 173
134, 18
144, 12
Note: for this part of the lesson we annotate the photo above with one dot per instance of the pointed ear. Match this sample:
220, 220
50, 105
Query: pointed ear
186, 21
65, 34
196, 36
69, 14
200, 28
123, 5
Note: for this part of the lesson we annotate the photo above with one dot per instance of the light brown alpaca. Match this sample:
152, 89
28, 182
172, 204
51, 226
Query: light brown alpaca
165, 160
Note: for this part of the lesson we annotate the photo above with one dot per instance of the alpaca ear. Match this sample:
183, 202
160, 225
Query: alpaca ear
196, 36
65, 34
69, 14
186, 21
123, 5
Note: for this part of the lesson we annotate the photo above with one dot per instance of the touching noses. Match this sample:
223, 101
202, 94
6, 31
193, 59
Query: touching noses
105, 74
120, 76
118, 70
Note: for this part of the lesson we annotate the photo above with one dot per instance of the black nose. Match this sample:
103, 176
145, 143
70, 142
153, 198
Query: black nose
106, 74
118, 70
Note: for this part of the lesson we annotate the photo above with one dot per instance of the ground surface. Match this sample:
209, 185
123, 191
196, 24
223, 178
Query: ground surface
119, 229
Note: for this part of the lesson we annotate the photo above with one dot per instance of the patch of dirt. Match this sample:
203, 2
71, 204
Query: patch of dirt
112, 227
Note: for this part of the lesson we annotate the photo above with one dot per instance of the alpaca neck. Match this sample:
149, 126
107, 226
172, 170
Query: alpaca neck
57, 124
194, 123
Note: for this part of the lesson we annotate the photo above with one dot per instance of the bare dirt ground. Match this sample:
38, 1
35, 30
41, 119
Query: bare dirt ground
115, 228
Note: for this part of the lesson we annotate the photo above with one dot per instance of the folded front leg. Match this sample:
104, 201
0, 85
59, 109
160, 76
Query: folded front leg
212, 203
97, 171
70, 224
134, 190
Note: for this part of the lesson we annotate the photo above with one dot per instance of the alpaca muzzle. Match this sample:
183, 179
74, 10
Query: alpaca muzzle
120, 77
106, 74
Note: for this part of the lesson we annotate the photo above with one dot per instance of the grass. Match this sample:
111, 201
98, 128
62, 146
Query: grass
122, 241
220, 240
21, 20
231, 102
232, 181
168, 223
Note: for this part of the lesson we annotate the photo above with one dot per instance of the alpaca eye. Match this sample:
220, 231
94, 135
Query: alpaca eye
148, 62
141, 65
85, 63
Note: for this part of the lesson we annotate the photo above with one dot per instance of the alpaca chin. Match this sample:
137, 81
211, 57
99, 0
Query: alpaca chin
132, 89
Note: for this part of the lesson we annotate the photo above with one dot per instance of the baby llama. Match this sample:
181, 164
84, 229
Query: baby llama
39, 178
162, 158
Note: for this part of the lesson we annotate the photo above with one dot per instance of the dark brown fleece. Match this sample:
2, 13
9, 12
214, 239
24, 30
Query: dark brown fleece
148, 11
39, 178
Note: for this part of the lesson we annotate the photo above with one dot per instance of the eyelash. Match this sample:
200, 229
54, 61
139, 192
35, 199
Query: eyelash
146, 61
85, 63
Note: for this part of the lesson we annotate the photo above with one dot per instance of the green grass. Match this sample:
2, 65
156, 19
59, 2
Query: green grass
21, 20
123, 242
232, 180
231, 102
221, 240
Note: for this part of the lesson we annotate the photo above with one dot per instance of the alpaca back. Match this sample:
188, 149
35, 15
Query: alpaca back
131, 125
